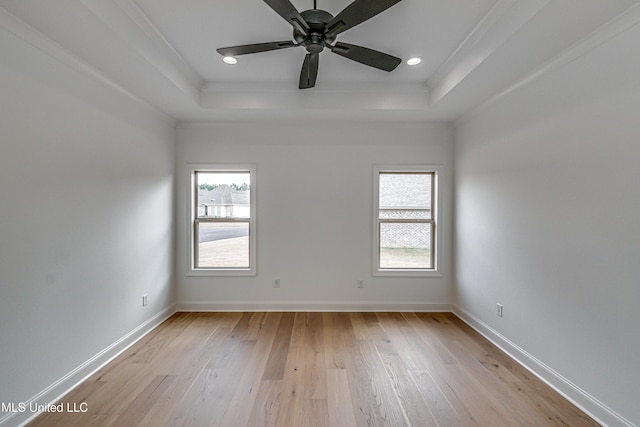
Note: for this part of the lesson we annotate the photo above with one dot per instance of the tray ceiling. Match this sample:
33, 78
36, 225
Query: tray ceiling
164, 52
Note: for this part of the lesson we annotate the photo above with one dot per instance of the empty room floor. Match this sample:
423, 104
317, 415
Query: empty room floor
314, 369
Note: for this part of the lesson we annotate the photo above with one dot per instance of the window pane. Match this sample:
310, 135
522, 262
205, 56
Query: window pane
405, 245
405, 214
401, 192
223, 194
223, 245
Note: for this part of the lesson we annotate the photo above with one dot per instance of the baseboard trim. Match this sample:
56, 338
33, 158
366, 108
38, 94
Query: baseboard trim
64, 385
583, 400
596, 409
333, 306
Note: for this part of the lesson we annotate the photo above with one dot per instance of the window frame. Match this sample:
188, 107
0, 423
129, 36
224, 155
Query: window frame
436, 233
194, 221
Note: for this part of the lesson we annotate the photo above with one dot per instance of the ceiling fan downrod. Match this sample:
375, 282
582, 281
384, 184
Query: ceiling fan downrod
316, 29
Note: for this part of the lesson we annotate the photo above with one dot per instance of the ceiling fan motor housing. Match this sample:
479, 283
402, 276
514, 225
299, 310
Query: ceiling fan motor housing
317, 21
316, 29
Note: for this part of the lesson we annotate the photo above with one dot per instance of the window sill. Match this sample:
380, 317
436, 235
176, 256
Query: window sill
215, 272
407, 273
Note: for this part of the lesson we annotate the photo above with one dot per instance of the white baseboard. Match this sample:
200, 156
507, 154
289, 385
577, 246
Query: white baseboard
596, 409
583, 400
313, 306
67, 383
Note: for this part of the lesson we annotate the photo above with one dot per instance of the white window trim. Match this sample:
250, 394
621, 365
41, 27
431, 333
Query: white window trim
192, 212
422, 168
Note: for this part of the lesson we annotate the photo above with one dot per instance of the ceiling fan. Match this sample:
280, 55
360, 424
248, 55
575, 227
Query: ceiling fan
316, 29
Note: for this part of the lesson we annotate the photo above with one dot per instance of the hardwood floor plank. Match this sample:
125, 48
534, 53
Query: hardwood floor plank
132, 381
248, 382
315, 370
476, 400
212, 391
370, 318
153, 343
444, 411
172, 360
474, 352
340, 403
280, 348
483, 368
84, 393
296, 370
337, 332
374, 398
145, 401
265, 408
207, 355
169, 361
209, 395
245, 327
555, 409
315, 413
256, 322
425, 329
396, 355
360, 326
403, 340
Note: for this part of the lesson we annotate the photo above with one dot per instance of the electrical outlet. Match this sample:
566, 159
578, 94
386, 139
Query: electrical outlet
499, 310
276, 283
360, 283
145, 300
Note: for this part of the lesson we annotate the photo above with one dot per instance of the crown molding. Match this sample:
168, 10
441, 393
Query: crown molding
341, 97
504, 19
133, 26
609, 30
31, 36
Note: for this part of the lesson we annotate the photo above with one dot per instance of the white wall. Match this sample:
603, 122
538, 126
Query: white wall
547, 197
547, 207
314, 184
86, 220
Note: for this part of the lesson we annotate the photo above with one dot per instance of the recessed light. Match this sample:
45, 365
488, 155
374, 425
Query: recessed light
414, 61
229, 60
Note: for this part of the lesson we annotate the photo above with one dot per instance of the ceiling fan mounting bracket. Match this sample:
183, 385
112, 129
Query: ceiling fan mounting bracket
315, 40
316, 29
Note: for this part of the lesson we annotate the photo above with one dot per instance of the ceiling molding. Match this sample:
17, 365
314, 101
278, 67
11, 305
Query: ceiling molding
501, 23
135, 28
56, 52
614, 27
280, 97
153, 72
30, 35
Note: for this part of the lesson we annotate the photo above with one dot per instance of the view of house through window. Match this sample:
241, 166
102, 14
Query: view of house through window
222, 220
405, 220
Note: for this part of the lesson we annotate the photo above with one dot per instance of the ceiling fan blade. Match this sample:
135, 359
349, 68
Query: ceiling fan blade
366, 56
288, 11
309, 71
254, 48
356, 13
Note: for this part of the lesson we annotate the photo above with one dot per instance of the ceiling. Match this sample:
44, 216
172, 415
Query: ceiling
164, 53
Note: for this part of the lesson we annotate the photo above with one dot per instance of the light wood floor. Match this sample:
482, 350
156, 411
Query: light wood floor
315, 369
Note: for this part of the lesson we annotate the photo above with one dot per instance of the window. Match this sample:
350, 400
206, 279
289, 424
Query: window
405, 220
223, 220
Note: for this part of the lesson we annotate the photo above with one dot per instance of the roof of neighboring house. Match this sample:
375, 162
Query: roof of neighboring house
223, 195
